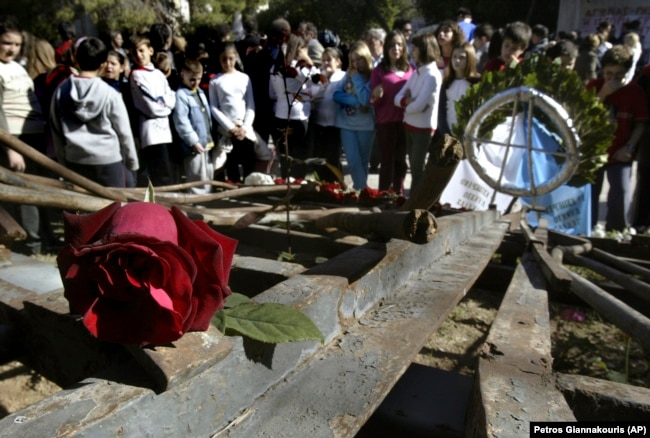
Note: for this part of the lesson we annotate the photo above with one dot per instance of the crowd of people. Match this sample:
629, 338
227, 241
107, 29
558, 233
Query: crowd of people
164, 109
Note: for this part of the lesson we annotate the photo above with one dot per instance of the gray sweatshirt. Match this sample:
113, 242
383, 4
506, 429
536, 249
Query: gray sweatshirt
90, 124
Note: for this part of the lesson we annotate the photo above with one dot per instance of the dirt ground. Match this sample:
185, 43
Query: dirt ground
582, 342
589, 347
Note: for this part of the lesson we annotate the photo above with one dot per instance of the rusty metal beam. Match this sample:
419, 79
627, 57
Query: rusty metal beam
618, 313
637, 287
515, 383
618, 263
552, 270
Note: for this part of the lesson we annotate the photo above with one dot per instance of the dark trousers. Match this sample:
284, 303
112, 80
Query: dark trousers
293, 140
108, 175
392, 142
155, 165
242, 154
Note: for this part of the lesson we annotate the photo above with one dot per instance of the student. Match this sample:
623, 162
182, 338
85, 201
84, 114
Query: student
482, 37
324, 109
459, 76
386, 80
566, 52
193, 125
587, 61
538, 40
154, 101
449, 35
90, 123
113, 72
21, 116
354, 115
420, 98
464, 17
516, 37
292, 87
233, 108
627, 104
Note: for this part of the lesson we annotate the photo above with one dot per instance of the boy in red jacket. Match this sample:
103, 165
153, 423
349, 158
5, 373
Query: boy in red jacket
629, 110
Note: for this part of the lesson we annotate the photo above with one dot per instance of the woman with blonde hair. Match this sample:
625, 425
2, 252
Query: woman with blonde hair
355, 117
40, 58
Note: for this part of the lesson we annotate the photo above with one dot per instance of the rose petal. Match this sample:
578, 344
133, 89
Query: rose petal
83, 229
213, 253
146, 218
130, 289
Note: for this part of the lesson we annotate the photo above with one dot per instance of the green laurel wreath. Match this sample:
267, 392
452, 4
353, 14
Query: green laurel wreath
590, 117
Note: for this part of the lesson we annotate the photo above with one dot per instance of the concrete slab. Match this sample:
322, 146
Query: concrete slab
31, 274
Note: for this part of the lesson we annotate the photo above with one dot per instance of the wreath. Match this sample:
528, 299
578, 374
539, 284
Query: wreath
591, 119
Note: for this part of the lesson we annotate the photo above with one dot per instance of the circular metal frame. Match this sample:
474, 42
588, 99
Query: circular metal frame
556, 113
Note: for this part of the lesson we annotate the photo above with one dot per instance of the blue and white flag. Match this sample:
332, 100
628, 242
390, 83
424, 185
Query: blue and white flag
568, 209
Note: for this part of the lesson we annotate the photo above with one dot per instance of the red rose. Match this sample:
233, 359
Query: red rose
141, 274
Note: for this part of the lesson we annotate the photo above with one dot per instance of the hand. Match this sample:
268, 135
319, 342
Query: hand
623, 155
198, 149
303, 56
377, 93
407, 97
238, 132
16, 161
609, 87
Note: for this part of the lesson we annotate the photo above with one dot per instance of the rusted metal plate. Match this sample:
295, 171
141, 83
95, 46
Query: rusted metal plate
555, 274
515, 383
185, 358
336, 392
388, 336
253, 275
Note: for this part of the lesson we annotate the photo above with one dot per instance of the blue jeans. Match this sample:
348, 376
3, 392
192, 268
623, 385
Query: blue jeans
357, 146
619, 197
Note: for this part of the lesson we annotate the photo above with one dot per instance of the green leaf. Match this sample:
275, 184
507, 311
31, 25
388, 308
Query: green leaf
149, 195
271, 323
284, 255
235, 300
219, 321
615, 376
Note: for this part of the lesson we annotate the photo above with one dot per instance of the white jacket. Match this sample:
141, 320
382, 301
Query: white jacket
154, 100
297, 93
424, 85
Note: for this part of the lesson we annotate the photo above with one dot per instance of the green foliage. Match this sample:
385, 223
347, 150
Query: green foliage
349, 18
126, 15
209, 13
235, 300
590, 118
267, 322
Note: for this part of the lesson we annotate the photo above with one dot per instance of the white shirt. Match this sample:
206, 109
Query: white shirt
231, 101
